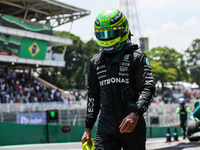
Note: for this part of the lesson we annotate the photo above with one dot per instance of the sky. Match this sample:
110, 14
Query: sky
171, 23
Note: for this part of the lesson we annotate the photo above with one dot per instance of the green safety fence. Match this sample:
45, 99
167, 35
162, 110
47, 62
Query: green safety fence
157, 132
13, 134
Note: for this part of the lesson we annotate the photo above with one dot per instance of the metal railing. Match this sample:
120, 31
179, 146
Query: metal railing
74, 113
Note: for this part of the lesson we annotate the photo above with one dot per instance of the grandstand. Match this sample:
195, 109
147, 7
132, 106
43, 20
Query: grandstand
25, 22
26, 33
26, 41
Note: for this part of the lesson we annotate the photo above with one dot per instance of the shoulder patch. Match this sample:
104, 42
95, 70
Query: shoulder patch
147, 61
99, 57
126, 56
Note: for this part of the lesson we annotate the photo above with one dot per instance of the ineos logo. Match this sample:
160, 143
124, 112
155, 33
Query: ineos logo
90, 104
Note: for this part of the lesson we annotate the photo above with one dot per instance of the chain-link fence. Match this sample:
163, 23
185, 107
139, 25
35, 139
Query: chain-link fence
74, 113
163, 114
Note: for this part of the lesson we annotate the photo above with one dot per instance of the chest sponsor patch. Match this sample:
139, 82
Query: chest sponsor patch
114, 80
101, 67
126, 56
123, 69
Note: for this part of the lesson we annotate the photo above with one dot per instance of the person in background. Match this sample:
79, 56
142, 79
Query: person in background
196, 112
196, 109
183, 111
120, 86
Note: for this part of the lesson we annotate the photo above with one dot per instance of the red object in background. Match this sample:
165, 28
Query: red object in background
66, 129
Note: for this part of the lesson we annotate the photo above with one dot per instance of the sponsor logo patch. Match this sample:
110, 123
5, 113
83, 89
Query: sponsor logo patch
114, 80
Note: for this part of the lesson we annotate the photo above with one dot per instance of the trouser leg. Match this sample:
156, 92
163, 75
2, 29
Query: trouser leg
106, 142
135, 140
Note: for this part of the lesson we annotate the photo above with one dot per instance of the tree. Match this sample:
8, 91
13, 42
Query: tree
193, 60
72, 59
81, 63
167, 65
76, 58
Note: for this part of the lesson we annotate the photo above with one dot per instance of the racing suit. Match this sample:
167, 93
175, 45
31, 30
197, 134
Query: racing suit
118, 84
183, 111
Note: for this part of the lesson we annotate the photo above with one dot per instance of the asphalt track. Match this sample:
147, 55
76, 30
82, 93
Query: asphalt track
183, 146
151, 144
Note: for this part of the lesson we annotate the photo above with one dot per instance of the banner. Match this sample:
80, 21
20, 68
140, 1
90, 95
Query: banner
33, 49
32, 118
9, 46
